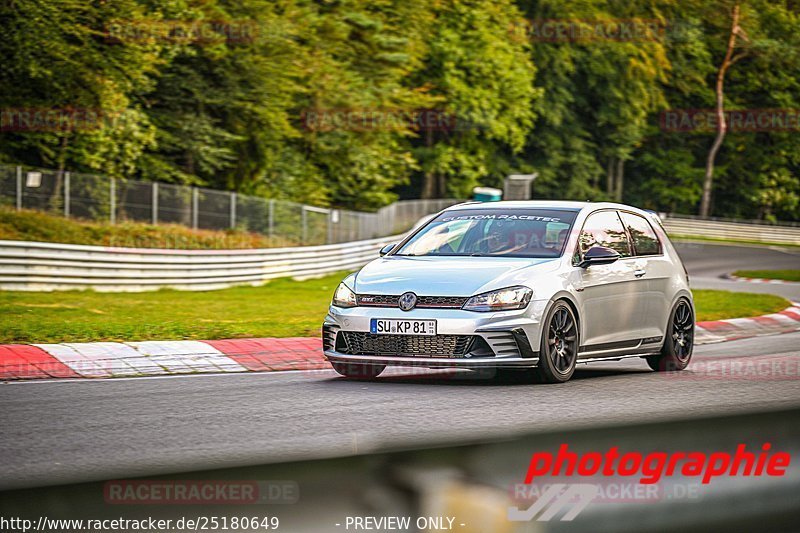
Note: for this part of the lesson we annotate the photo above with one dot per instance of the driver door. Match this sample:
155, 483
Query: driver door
608, 294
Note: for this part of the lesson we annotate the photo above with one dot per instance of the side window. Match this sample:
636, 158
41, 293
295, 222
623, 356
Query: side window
604, 229
645, 241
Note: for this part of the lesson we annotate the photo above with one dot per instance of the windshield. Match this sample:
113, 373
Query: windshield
539, 233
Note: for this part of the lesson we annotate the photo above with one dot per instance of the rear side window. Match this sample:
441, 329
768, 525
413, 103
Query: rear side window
605, 229
645, 241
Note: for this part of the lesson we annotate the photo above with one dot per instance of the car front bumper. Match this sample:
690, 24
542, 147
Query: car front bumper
513, 336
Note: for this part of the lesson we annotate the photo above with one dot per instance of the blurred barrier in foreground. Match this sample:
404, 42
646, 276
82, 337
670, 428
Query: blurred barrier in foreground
39, 266
469, 487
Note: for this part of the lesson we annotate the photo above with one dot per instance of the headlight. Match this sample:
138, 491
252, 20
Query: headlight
500, 300
344, 297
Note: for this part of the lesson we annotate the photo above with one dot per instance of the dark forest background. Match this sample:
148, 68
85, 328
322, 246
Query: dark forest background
439, 96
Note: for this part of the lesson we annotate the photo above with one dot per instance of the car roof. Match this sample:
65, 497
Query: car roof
542, 204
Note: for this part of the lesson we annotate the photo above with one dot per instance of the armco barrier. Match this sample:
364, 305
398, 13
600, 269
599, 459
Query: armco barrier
738, 231
36, 266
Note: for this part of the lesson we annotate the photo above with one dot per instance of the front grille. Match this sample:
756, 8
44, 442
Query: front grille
424, 302
377, 300
361, 343
442, 301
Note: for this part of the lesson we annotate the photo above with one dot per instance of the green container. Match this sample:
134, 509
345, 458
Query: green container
487, 194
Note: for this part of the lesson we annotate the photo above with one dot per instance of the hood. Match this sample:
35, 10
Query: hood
447, 276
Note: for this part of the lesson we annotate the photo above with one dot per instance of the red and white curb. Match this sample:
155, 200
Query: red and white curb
784, 321
760, 280
157, 358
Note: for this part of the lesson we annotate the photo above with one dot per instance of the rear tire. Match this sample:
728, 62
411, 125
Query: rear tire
558, 352
679, 344
357, 370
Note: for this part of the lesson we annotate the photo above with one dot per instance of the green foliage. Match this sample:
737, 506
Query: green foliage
756, 174
230, 109
43, 227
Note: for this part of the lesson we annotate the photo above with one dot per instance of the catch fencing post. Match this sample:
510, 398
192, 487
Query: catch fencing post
303, 217
333, 218
195, 203
19, 188
270, 219
233, 210
154, 203
66, 194
113, 203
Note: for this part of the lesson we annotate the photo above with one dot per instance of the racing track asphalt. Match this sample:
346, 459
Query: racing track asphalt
707, 263
66, 432
56, 432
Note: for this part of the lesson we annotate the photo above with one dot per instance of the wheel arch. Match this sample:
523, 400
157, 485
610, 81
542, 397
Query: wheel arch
570, 300
680, 295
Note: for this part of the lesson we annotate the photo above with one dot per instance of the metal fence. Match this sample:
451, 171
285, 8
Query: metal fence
95, 197
92, 197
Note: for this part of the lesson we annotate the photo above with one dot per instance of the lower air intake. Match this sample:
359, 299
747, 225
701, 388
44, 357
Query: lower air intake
360, 343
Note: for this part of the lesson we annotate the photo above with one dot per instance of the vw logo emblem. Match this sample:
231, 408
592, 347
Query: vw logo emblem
407, 301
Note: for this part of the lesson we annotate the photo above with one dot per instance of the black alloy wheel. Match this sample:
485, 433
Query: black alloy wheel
559, 351
679, 344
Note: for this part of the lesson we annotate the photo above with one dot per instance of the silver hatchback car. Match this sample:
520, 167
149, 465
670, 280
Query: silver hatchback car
534, 285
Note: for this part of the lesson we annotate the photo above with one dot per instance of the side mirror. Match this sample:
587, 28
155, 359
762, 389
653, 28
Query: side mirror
598, 255
388, 248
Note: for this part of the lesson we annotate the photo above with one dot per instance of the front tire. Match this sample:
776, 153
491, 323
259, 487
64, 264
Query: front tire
558, 353
358, 371
679, 344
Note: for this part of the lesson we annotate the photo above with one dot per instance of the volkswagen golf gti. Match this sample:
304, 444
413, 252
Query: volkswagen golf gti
534, 285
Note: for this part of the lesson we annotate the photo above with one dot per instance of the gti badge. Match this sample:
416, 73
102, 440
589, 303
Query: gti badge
407, 301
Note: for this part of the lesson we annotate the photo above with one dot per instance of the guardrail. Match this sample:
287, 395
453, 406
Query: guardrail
37, 266
738, 231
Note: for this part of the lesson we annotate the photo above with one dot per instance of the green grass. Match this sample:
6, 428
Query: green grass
281, 308
27, 225
719, 305
786, 275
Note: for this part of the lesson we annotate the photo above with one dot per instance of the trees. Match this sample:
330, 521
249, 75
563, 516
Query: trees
736, 33
601, 90
482, 79
353, 102
60, 67
755, 163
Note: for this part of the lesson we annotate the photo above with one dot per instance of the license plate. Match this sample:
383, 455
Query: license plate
393, 326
